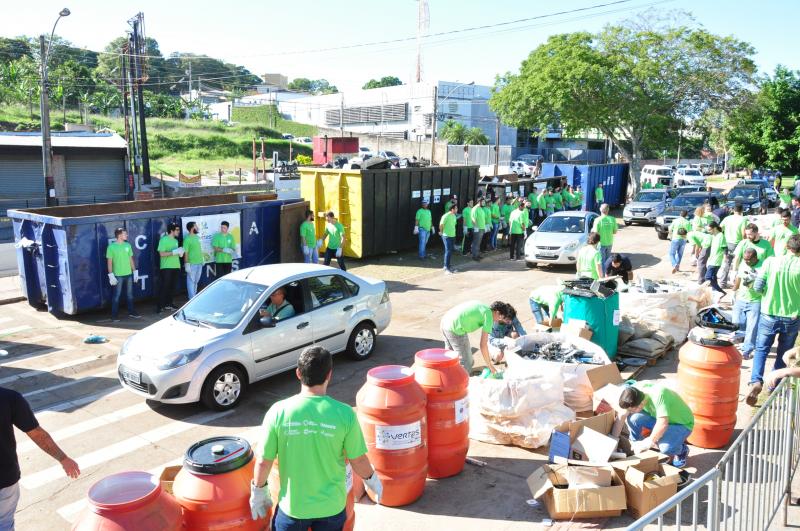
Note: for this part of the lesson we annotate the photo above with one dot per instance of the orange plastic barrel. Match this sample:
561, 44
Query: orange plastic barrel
213, 487
440, 374
129, 500
391, 411
708, 379
274, 482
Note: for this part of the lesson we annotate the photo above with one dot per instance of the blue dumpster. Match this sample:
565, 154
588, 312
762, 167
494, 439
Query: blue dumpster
613, 176
63, 265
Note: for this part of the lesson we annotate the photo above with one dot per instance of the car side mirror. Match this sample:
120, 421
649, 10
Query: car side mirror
535, 228
267, 322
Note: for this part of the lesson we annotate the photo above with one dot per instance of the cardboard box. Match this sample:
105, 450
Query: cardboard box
643, 496
589, 476
550, 484
577, 327
599, 423
167, 477
593, 446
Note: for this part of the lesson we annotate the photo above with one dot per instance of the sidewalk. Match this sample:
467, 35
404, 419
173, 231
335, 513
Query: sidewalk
10, 290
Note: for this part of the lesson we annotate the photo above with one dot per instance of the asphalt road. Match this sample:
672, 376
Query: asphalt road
8, 260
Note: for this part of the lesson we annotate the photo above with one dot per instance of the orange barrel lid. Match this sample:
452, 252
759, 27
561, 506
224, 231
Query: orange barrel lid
436, 357
390, 376
124, 491
217, 455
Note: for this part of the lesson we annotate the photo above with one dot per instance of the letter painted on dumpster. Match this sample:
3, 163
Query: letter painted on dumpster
141, 242
398, 437
253, 229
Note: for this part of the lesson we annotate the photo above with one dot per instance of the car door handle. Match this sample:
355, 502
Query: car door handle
302, 325
347, 308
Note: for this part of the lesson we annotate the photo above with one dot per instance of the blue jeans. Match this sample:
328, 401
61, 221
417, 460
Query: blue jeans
711, 276
673, 440
769, 326
605, 253
448, 250
495, 230
310, 254
746, 314
127, 281
283, 522
193, 279
676, 248
500, 331
539, 311
422, 236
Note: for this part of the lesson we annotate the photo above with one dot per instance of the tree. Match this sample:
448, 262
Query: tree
630, 82
474, 136
314, 86
453, 132
13, 49
765, 131
385, 81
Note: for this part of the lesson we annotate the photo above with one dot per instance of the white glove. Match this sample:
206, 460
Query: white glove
228, 250
374, 486
188, 268
178, 251
112, 279
260, 502
416, 229
135, 276
339, 252
306, 250
319, 243
641, 446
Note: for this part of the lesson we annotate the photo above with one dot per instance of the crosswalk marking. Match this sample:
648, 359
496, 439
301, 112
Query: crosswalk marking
69, 383
113, 451
46, 411
87, 425
36, 353
14, 330
27, 341
47, 369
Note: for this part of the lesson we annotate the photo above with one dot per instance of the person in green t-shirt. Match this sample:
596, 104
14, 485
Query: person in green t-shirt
606, 227
782, 232
779, 281
549, 201
447, 229
733, 226
508, 207
646, 185
588, 263
753, 241
478, 227
558, 200
224, 246
785, 198
678, 230
517, 221
193, 260
311, 435
122, 272
578, 195
545, 302
702, 247
747, 308
494, 216
423, 223
334, 233
170, 253
657, 416
541, 200
716, 256
308, 239
467, 317
599, 196
469, 228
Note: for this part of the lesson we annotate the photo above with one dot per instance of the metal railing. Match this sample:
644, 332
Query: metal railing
752, 481
574, 155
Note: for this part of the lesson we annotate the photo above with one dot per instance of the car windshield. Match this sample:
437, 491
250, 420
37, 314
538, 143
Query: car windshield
222, 304
749, 194
689, 201
692, 172
390, 154
649, 197
567, 224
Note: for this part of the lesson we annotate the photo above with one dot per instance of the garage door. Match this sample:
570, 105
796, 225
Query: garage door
94, 179
21, 182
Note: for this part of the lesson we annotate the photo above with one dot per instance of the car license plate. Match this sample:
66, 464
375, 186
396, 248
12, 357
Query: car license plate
638, 215
131, 376
546, 255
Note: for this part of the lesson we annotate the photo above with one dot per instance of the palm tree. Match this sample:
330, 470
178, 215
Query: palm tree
453, 132
475, 137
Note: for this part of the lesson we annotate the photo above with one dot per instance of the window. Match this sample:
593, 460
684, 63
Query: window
352, 286
326, 290
222, 304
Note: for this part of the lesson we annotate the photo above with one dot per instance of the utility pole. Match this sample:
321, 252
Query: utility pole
341, 117
139, 48
496, 145
433, 122
137, 158
190, 82
47, 151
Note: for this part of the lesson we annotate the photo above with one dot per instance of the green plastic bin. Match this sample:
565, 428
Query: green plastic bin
602, 316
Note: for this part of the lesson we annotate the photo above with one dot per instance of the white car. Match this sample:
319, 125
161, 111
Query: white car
364, 152
218, 343
689, 176
522, 168
559, 237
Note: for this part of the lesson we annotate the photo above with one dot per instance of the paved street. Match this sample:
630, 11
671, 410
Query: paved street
75, 392
8, 260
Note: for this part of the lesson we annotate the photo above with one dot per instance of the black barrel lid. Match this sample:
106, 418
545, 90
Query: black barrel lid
217, 455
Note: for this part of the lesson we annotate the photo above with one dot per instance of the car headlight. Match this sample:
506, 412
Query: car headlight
660, 220
176, 359
626, 211
571, 246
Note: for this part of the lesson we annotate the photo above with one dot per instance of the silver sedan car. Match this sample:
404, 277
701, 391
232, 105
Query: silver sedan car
223, 339
558, 239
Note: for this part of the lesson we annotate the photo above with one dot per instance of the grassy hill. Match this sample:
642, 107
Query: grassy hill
182, 145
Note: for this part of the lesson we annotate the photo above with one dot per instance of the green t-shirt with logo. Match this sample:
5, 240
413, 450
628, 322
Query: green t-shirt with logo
747, 293
495, 213
549, 201
468, 317
478, 218
424, 218
661, 401
733, 226
487, 216
194, 252
506, 211
699, 239
568, 199
517, 221
782, 276
467, 215
606, 227
534, 200
763, 250
699, 223
335, 232
310, 437
587, 261
448, 223
679, 223
308, 234
167, 244
541, 201
120, 255
718, 247
558, 200
223, 241
781, 235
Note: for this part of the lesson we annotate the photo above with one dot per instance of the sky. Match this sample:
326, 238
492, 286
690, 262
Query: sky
295, 39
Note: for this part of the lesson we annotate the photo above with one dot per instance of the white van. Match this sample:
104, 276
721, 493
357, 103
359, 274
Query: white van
655, 173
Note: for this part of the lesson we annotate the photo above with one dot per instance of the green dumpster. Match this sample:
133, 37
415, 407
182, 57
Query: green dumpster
602, 316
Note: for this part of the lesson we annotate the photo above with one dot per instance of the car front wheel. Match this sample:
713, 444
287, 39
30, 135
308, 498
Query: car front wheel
224, 388
530, 265
362, 342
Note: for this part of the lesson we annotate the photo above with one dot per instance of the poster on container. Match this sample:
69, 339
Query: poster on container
208, 226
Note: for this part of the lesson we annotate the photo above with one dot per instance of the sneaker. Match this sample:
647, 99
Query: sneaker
752, 395
675, 270
679, 461
115, 319
170, 307
134, 315
448, 272
453, 270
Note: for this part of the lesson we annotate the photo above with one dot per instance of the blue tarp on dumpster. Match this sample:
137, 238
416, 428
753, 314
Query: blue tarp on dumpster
65, 267
613, 176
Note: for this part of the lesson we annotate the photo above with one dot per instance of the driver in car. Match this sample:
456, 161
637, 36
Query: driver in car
278, 307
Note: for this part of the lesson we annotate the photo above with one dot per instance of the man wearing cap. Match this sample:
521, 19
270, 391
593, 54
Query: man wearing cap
170, 253
462, 320
224, 249
422, 227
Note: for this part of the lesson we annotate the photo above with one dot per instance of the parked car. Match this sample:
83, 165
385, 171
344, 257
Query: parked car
558, 239
364, 152
647, 205
752, 197
218, 343
287, 136
769, 190
389, 155
685, 189
689, 176
706, 168
304, 139
688, 201
654, 173
520, 167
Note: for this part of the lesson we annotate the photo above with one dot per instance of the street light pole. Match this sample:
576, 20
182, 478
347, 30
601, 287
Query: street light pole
44, 111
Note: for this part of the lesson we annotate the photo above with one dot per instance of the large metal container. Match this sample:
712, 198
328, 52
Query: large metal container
613, 176
65, 266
